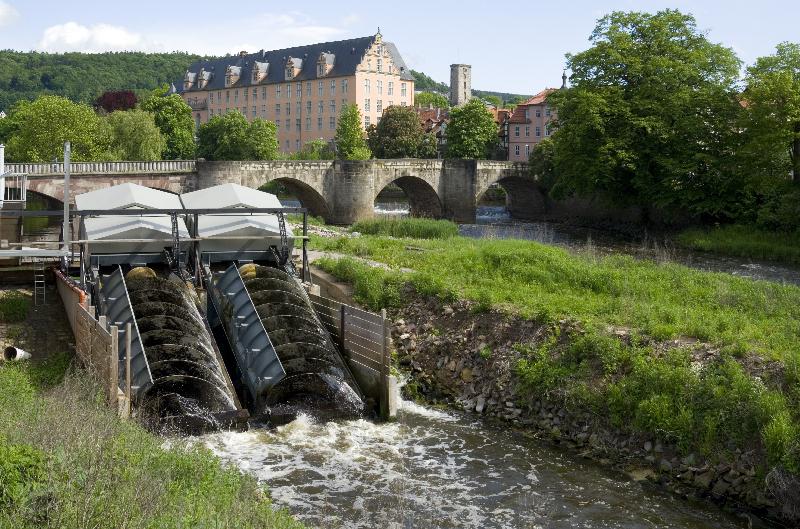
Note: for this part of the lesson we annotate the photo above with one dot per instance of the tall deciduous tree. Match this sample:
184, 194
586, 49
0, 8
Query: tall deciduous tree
230, 137
42, 126
472, 132
772, 99
174, 119
651, 116
114, 100
135, 136
398, 134
350, 142
426, 99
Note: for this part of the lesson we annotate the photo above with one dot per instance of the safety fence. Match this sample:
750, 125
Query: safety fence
158, 167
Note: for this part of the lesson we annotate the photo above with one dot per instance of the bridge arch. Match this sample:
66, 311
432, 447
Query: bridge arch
423, 200
309, 198
524, 198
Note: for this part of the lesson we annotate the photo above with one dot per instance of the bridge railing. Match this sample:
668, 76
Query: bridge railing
159, 167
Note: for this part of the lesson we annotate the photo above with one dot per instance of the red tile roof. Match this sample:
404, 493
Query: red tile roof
519, 113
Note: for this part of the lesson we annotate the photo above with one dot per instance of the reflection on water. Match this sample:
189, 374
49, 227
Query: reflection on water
35, 229
432, 469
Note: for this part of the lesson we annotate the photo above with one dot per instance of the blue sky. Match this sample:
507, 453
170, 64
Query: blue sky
513, 46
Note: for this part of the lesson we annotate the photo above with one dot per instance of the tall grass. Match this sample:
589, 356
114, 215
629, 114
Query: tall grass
660, 300
14, 306
744, 241
414, 228
68, 461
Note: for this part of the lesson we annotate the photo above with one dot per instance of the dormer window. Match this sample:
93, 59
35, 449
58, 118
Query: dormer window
380, 65
325, 64
293, 67
189, 79
203, 78
320, 70
260, 70
232, 74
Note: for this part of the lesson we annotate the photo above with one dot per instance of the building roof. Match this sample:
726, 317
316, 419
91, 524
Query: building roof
347, 56
128, 196
518, 116
229, 196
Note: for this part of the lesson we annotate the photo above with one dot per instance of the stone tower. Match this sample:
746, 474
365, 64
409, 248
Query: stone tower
460, 84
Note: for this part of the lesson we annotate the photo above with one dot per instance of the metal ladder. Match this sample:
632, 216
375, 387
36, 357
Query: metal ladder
38, 282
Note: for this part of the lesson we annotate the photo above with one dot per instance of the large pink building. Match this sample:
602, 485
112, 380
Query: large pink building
529, 124
302, 89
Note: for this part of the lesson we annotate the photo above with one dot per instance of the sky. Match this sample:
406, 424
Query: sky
514, 46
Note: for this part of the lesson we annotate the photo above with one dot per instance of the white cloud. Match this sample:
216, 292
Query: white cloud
8, 14
73, 36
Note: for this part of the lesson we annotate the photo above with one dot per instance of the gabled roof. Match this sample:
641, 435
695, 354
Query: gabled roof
347, 56
518, 116
229, 196
128, 196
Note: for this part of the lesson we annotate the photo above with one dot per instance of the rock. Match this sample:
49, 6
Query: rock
689, 460
648, 446
509, 404
405, 360
703, 481
687, 476
405, 336
448, 310
658, 448
480, 404
720, 488
665, 466
451, 365
641, 474
466, 374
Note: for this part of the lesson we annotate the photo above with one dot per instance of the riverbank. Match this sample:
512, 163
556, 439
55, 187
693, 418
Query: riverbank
700, 365
744, 241
66, 459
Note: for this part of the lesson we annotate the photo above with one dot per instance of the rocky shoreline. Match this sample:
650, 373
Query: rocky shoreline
461, 357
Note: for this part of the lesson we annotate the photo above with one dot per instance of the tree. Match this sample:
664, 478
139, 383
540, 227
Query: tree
496, 101
429, 147
772, 100
350, 142
135, 136
174, 119
111, 101
472, 132
230, 137
42, 127
651, 117
541, 162
398, 134
431, 99
318, 149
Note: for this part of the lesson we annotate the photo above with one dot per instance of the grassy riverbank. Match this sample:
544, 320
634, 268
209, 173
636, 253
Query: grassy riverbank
743, 241
707, 361
66, 460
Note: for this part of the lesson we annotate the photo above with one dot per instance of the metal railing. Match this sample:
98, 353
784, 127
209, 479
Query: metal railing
16, 187
161, 166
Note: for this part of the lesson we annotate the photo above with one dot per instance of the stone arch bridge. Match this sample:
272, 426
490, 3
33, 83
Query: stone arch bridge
341, 192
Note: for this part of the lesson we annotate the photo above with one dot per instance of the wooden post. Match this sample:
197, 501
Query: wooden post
114, 371
127, 370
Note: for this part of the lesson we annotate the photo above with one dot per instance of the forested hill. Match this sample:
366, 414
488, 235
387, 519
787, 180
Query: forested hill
84, 76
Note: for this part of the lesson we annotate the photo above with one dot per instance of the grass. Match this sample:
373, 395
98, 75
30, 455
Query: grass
663, 301
744, 241
14, 306
407, 228
66, 460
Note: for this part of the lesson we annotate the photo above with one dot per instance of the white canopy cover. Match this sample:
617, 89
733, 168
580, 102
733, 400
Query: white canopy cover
128, 196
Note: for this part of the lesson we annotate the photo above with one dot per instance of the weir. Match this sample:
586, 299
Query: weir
208, 318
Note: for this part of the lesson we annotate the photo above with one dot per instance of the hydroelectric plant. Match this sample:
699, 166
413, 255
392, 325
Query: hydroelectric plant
209, 321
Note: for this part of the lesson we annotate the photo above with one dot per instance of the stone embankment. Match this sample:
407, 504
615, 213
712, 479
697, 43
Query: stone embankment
461, 358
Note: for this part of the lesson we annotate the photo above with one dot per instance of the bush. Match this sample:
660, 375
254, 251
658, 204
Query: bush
22, 471
14, 307
412, 228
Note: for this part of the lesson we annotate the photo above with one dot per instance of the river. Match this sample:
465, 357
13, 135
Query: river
431, 469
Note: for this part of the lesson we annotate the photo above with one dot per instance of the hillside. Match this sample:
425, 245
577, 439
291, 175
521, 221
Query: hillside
84, 76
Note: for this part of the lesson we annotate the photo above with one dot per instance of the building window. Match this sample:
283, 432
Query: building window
299, 90
244, 111
278, 124
366, 86
288, 124
264, 110
219, 97
320, 107
297, 144
344, 86
319, 123
527, 130
254, 111
538, 112
320, 70
516, 131
516, 150
332, 123
308, 89
344, 102
390, 90
402, 103
527, 113
288, 91
366, 105
379, 106
308, 123
527, 151
211, 112
379, 86
538, 131
277, 109
391, 103
263, 92
366, 122
333, 87
380, 65
287, 145
299, 108
227, 96
320, 89
297, 126
402, 89
277, 91
547, 130
246, 94
333, 107
547, 111
236, 96
288, 109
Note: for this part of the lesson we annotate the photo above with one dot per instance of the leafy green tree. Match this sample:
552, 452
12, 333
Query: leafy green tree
318, 149
230, 137
398, 134
426, 99
42, 126
772, 100
350, 142
541, 162
174, 119
135, 136
472, 132
497, 101
428, 147
651, 117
